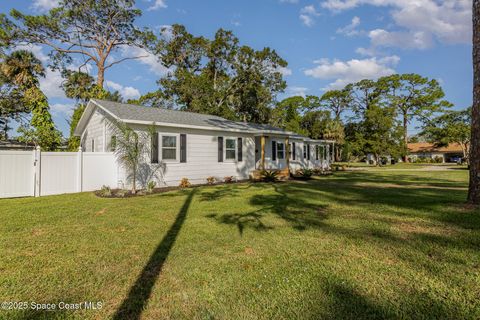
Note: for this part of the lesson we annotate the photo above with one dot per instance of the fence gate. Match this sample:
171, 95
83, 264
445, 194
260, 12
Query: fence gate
17, 174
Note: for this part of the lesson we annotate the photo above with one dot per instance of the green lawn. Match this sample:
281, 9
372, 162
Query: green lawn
352, 245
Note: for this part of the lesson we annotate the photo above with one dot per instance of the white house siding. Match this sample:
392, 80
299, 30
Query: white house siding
97, 130
202, 159
299, 162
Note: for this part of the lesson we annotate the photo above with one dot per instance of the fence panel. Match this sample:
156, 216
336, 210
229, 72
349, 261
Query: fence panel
98, 169
17, 172
58, 173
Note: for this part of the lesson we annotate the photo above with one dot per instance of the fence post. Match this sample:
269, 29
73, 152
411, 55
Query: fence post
38, 171
80, 169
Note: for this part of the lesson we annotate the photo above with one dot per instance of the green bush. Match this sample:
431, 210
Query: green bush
106, 191
269, 175
304, 173
150, 186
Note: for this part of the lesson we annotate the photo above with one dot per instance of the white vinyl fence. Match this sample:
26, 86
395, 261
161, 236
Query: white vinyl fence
36, 173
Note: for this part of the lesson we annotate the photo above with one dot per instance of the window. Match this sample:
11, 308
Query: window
304, 151
317, 151
113, 143
293, 151
280, 150
154, 149
230, 148
169, 148
93, 145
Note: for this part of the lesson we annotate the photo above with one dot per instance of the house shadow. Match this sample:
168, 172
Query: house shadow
139, 294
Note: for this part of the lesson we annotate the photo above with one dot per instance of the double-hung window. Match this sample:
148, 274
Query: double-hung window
280, 150
169, 147
230, 148
304, 151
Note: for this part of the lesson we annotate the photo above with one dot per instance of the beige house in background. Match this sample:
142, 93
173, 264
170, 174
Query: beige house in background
450, 153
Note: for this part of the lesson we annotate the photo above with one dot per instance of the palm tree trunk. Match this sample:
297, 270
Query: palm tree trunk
405, 135
474, 186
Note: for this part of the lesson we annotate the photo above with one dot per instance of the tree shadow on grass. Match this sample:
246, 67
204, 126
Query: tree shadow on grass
137, 299
297, 212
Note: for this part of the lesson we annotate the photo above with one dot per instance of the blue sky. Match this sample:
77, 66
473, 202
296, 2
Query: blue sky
327, 43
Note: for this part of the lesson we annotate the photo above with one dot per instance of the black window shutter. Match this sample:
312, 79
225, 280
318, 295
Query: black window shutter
154, 148
240, 149
220, 149
274, 150
308, 151
183, 147
294, 151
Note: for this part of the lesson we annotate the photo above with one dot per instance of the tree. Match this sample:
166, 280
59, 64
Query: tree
337, 101
413, 97
218, 76
380, 133
451, 127
474, 184
288, 113
364, 94
89, 29
131, 148
21, 70
316, 123
82, 87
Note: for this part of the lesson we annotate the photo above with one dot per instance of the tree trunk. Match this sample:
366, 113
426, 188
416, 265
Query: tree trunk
134, 187
405, 135
474, 185
100, 75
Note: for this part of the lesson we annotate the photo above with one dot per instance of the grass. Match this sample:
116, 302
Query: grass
401, 165
355, 245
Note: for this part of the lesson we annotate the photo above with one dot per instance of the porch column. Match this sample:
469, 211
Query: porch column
287, 156
262, 144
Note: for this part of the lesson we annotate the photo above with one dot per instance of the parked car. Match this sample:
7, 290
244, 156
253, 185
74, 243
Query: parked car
456, 159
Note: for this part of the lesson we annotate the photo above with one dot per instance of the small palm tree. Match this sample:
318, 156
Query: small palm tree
131, 148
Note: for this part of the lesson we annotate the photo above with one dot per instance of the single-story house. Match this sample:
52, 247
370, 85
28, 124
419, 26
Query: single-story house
197, 146
451, 153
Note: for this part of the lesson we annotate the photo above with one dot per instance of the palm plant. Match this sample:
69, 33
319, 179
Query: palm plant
131, 148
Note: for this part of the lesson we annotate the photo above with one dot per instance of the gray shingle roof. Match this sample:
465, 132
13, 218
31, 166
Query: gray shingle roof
131, 112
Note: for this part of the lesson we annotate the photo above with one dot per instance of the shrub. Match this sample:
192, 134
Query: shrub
317, 171
305, 173
211, 180
438, 159
228, 179
185, 183
150, 186
121, 193
269, 175
106, 191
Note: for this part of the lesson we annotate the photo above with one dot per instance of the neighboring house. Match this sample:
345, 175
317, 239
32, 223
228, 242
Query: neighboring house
15, 145
196, 146
451, 153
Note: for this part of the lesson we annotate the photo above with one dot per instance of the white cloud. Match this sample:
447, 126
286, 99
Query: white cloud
448, 21
345, 72
297, 91
36, 50
126, 92
309, 10
147, 59
285, 71
351, 29
308, 14
409, 40
307, 20
45, 5
61, 109
158, 4
51, 84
